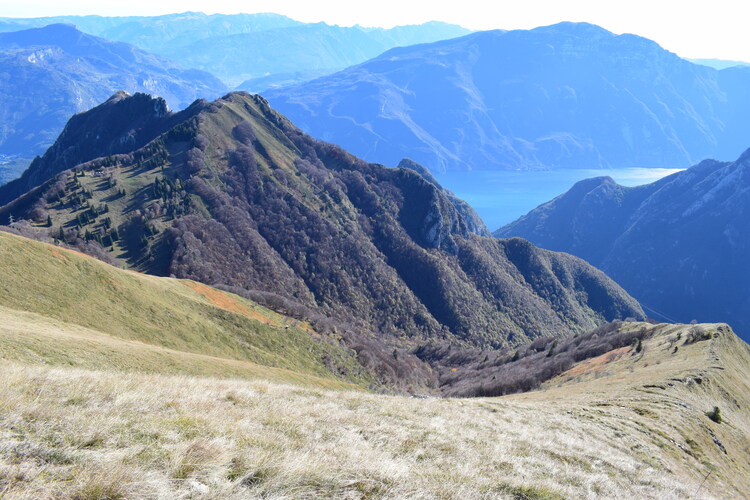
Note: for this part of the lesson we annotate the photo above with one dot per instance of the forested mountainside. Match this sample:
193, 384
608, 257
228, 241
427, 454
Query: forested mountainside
571, 95
231, 193
680, 245
56, 71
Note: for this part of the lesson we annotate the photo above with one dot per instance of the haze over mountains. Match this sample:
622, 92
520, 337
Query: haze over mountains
56, 71
571, 95
680, 245
267, 49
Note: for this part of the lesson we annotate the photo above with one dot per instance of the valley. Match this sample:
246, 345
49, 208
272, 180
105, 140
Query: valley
298, 294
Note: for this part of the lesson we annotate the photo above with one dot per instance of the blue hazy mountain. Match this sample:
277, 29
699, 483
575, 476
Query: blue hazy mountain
48, 74
563, 96
254, 51
680, 245
155, 33
719, 63
274, 54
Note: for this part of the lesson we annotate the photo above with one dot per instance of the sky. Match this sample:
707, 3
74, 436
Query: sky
691, 28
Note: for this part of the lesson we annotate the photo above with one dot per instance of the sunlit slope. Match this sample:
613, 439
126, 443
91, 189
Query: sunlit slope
60, 307
630, 424
655, 403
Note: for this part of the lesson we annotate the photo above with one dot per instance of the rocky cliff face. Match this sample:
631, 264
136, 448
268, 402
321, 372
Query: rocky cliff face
680, 245
472, 220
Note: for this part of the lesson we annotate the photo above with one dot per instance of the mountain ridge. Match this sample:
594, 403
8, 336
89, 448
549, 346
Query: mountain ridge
205, 200
527, 99
251, 51
677, 244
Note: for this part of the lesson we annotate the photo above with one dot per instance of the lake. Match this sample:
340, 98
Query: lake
500, 196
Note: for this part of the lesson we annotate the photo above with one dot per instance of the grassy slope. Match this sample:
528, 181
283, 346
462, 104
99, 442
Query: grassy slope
307, 262
56, 305
624, 425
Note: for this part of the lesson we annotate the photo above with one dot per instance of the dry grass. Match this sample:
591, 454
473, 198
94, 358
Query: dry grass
61, 308
73, 433
31, 338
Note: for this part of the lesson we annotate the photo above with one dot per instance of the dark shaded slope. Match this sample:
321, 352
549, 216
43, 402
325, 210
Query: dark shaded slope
121, 124
469, 215
680, 245
236, 195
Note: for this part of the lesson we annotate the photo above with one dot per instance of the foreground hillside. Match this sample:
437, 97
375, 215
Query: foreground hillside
631, 423
680, 245
231, 193
571, 95
59, 307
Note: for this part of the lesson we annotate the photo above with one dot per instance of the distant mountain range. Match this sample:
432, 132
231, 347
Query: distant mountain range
261, 60
231, 193
254, 51
57, 71
719, 63
562, 96
680, 245
155, 33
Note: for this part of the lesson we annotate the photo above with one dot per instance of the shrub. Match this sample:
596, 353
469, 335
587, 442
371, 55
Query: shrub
715, 415
697, 334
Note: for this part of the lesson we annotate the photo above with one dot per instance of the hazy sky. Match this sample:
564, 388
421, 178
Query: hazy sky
691, 28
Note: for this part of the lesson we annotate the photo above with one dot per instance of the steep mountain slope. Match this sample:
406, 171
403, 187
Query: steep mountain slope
626, 424
680, 245
562, 96
119, 125
56, 71
267, 48
233, 194
472, 219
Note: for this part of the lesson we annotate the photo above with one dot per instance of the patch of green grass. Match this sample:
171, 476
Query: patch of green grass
47, 292
528, 492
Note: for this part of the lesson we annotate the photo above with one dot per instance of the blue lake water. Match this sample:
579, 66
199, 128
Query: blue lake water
501, 197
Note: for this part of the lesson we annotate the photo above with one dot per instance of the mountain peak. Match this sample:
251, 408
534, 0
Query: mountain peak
578, 28
593, 182
206, 191
56, 34
118, 125
118, 96
679, 244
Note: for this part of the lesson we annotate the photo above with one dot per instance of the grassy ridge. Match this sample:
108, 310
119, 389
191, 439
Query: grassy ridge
69, 290
616, 427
